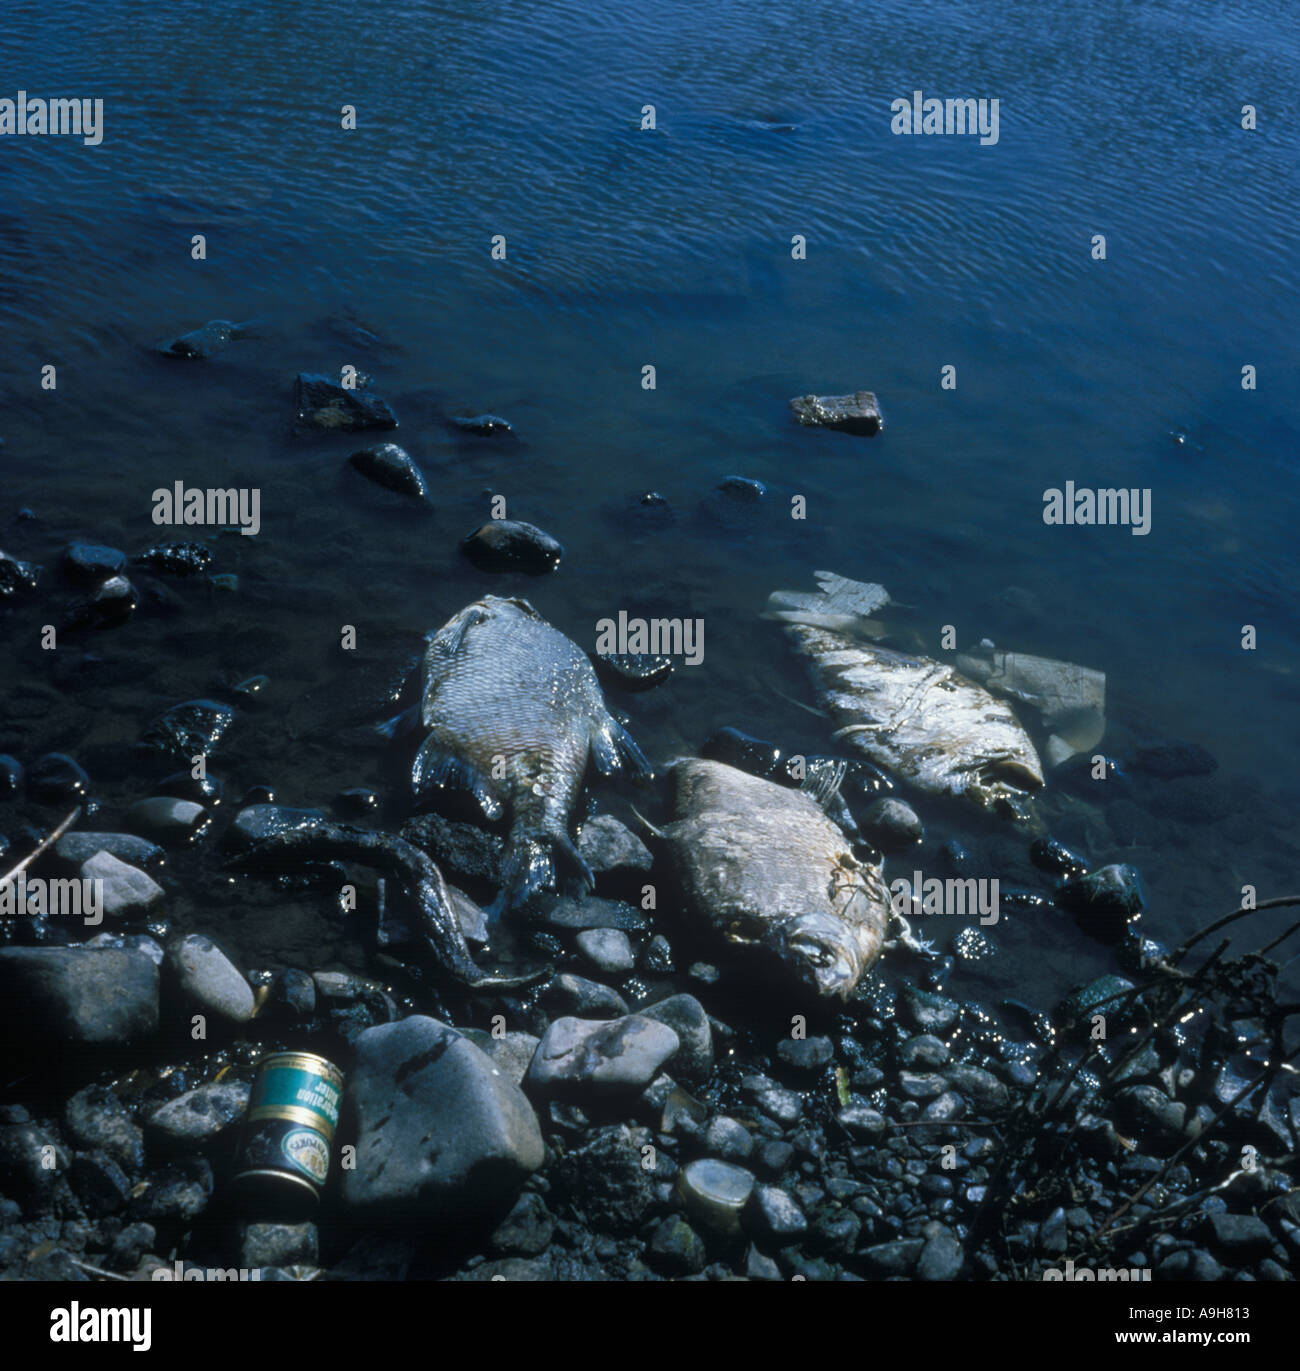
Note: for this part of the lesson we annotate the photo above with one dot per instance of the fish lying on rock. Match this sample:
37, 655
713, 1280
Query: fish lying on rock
434, 904
768, 871
918, 718
513, 712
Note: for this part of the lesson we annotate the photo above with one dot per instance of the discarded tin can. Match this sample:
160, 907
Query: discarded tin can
284, 1154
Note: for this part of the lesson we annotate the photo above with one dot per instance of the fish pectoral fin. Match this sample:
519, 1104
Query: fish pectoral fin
613, 749
400, 724
435, 768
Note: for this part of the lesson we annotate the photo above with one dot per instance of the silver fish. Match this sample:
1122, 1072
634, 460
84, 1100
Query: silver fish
768, 871
513, 714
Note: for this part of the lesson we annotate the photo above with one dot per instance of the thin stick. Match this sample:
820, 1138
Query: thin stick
1278, 903
40, 847
97, 1270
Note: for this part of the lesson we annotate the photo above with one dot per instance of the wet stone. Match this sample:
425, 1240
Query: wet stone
1151, 1114
189, 729
742, 488
511, 545
715, 1194
774, 1218
1241, 1237
925, 1011
772, 1157
257, 823
181, 785
125, 891
1104, 902
856, 413
200, 1115
861, 1121
526, 1231
632, 670
484, 425
601, 1056
324, 406
75, 848
604, 1178
728, 1139
167, 821
806, 1055
91, 563
594, 913
924, 1052
897, 1258
96, 1120
209, 978
941, 1259
292, 997
1189, 1265
99, 1183
55, 779
576, 995
16, 577
611, 848
686, 1016
893, 825
607, 949
1055, 858
278, 1244
11, 775
675, 1248
391, 466
178, 559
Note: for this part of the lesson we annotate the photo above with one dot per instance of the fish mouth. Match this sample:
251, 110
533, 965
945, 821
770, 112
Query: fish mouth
813, 946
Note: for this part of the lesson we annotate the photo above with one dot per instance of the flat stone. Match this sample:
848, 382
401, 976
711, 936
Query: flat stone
715, 1194
602, 1055
126, 889
511, 545
807, 1055
774, 1217
594, 913
199, 1115
78, 994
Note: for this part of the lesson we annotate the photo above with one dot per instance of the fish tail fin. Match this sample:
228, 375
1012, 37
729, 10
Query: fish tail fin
435, 768
399, 724
614, 750
527, 868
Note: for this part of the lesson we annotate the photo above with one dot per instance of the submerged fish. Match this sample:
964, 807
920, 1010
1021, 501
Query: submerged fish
513, 714
766, 868
215, 335
916, 717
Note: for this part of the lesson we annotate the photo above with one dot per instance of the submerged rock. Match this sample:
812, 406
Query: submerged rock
391, 466
486, 425
1104, 902
178, 559
16, 577
856, 413
77, 847
170, 822
206, 340
56, 779
189, 729
510, 545
92, 563
324, 406
112, 603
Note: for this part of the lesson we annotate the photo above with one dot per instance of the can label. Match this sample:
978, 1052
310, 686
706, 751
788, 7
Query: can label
309, 1152
296, 1087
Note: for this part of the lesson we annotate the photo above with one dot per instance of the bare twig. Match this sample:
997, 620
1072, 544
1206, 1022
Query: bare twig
45, 842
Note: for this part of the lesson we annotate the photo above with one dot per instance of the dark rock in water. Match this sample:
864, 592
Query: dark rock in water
1241, 1237
509, 545
1012, 897
591, 912
925, 1011
257, 795
78, 994
1147, 1111
206, 340
391, 466
893, 1258
324, 406
188, 730
632, 670
1173, 761
293, 996
754, 755
16, 576
1076, 773
178, 559
168, 821
1104, 902
809, 1055
1189, 1265
863, 782
263, 1245
92, 563
11, 775
1101, 996
56, 779
444, 1131
258, 823
26, 1151
856, 413
466, 853
1057, 859
652, 499
182, 785
112, 603
743, 488
99, 1183
357, 802
892, 825
484, 424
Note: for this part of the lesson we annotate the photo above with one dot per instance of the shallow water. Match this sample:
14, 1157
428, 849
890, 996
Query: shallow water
671, 248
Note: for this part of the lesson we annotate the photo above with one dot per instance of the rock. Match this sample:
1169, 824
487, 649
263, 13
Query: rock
510, 545
99, 1182
1053, 1234
324, 406
485, 425
110, 603
96, 1120
600, 1056
391, 466
806, 1055
126, 889
774, 1218
467, 854
921, 1085
675, 1248
278, 1244
728, 1139
209, 978
784, 1106
686, 1016
772, 1157
131, 1243
23, 1162
742, 488
657, 959
1173, 761
607, 949
892, 825
293, 996
77, 847
861, 1121
259, 822
981, 1087
1101, 996
526, 1231
924, 1051
439, 1128
170, 1196
925, 1011
56, 779
178, 559
611, 849
199, 1116
16, 577
594, 913
856, 413
1150, 1113
715, 1194
1104, 902
941, 1259
1189, 1265
1056, 859
170, 822
761, 1268
632, 670
187, 730
897, 1258
91, 563
606, 1180
512, 1054
1243, 1238
78, 994
575, 995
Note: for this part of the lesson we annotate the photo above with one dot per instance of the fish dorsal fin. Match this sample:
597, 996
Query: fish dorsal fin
838, 604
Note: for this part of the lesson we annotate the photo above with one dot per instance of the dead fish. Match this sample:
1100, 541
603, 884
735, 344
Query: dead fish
513, 713
766, 868
435, 905
916, 717
215, 335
